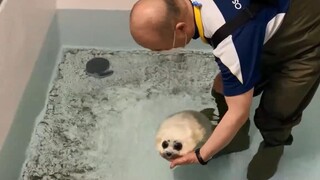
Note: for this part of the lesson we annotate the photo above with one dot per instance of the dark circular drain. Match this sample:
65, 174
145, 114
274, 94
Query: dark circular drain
98, 67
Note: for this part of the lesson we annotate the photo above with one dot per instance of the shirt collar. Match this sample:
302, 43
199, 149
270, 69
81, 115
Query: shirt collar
196, 30
199, 31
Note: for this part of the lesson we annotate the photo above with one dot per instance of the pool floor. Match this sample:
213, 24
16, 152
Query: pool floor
103, 129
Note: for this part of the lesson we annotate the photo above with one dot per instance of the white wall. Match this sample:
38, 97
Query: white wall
23, 27
102, 29
95, 4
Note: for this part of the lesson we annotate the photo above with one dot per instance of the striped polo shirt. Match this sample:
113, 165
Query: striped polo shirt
238, 56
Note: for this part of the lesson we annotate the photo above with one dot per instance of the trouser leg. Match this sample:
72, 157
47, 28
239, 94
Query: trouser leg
286, 96
283, 101
291, 72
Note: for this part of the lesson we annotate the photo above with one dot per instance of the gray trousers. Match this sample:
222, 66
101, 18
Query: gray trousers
290, 72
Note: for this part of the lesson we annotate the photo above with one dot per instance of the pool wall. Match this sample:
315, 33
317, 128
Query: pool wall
24, 26
32, 37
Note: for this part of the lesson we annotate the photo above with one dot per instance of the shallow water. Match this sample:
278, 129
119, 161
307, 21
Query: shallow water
104, 128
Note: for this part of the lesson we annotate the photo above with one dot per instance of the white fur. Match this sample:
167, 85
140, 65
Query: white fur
190, 128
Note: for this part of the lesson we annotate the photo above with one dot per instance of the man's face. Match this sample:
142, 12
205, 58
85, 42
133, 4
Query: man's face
154, 42
151, 40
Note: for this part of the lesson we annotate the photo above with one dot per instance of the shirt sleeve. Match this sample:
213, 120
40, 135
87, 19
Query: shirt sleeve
238, 57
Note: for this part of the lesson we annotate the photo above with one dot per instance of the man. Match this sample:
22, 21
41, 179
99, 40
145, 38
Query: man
277, 53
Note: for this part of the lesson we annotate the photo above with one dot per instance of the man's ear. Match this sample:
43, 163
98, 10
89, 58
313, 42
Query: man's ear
181, 27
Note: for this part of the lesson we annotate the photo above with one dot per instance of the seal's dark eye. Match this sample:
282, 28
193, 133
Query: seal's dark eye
165, 144
177, 146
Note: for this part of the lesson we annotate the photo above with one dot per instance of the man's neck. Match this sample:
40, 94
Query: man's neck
192, 19
189, 17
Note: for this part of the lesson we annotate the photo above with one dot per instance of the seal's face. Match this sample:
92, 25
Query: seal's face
179, 135
173, 141
171, 148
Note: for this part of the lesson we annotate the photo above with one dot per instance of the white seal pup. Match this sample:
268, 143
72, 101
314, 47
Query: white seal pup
182, 132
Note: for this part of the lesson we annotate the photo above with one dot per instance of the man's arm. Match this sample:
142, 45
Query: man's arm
232, 121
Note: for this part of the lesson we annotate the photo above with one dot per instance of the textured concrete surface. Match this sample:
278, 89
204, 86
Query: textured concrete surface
91, 127
103, 129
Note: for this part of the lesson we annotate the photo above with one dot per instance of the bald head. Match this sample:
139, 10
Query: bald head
152, 22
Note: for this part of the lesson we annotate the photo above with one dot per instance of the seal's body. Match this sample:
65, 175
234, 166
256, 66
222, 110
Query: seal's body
182, 133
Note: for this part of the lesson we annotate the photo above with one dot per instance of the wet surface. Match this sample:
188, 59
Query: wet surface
104, 128
94, 127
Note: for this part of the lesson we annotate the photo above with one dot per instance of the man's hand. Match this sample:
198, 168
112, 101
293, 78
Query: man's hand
189, 158
231, 122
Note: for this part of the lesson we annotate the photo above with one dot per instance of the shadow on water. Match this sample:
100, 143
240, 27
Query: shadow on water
217, 169
191, 172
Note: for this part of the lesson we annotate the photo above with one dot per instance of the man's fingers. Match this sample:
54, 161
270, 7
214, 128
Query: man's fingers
173, 159
178, 161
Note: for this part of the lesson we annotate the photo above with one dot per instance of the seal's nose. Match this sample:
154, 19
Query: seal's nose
168, 154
